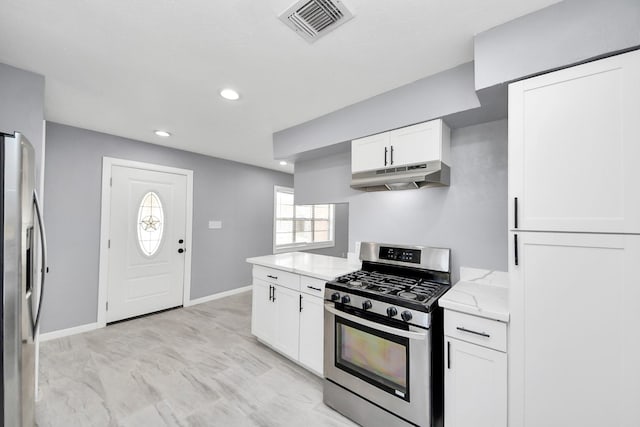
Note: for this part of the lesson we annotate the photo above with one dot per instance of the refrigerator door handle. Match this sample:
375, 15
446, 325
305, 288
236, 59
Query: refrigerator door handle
43, 258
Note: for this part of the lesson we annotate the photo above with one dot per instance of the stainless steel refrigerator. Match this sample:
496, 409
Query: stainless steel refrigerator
23, 235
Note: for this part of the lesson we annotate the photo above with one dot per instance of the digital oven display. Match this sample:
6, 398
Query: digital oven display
399, 254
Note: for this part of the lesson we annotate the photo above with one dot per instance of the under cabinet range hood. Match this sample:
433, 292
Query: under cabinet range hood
430, 174
406, 158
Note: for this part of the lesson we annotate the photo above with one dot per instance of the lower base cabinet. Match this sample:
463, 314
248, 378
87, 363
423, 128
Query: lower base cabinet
475, 373
475, 386
312, 333
288, 320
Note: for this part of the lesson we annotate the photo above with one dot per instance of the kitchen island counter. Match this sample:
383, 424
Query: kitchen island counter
313, 265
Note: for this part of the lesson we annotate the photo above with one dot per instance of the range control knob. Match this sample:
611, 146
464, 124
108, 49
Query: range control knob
406, 316
366, 305
335, 296
391, 311
346, 299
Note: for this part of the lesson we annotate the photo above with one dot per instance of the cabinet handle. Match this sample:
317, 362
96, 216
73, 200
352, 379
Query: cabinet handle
515, 249
272, 277
448, 354
392, 155
313, 288
385, 156
274, 294
515, 212
270, 293
482, 334
300, 303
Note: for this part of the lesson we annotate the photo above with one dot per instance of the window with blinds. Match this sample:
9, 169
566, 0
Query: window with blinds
299, 227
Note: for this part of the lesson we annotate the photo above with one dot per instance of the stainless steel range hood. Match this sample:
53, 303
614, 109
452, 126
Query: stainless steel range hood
428, 174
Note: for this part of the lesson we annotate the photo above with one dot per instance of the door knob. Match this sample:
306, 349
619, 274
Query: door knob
180, 250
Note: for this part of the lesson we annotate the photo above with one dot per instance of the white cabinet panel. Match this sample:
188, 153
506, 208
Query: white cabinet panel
574, 342
312, 333
405, 146
370, 153
574, 143
475, 386
418, 143
263, 319
287, 321
478, 330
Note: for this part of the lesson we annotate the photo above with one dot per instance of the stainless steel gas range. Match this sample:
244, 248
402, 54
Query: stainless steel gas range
383, 343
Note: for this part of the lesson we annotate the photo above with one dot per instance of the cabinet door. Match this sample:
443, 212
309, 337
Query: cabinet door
370, 153
287, 314
574, 344
574, 145
475, 385
416, 144
263, 320
312, 333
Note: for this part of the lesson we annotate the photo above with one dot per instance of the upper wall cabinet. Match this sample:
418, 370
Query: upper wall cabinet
574, 145
419, 143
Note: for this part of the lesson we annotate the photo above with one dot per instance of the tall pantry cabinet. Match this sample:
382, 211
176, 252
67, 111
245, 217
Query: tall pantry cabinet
574, 246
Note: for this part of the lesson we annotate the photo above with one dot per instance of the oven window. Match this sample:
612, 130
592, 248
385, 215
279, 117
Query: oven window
376, 357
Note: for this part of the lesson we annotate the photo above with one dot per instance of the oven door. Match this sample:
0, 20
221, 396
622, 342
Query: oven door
385, 364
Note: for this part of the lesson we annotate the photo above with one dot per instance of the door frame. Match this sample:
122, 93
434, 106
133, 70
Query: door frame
105, 223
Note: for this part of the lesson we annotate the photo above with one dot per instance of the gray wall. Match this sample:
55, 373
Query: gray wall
341, 233
22, 109
239, 195
560, 35
434, 96
470, 216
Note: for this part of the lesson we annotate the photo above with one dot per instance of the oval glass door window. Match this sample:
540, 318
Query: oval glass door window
150, 223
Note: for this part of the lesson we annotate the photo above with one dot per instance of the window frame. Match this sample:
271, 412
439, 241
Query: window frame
292, 247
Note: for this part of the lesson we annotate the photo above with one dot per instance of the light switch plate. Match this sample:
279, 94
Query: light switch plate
215, 225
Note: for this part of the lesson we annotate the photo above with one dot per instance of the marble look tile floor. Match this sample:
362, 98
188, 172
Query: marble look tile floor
196, 366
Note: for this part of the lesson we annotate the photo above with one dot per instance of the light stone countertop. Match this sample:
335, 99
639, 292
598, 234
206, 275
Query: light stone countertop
318, 266
482, 293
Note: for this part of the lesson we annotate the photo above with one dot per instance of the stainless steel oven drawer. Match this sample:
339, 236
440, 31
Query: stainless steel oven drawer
477, 330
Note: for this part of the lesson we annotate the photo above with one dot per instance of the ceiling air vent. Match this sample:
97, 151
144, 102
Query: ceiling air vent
315, 18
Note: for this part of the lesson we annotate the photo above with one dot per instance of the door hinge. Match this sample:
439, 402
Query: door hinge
109, 244
107, 305
110, 182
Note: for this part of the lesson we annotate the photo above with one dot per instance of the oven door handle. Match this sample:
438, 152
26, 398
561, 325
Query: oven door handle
374, 325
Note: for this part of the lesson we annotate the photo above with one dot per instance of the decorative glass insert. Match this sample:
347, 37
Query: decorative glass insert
150, 223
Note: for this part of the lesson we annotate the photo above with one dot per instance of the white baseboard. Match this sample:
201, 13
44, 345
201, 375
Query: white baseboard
218, 296
91, 326
66, 332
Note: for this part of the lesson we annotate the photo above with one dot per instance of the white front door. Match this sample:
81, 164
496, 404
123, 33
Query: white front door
147, 235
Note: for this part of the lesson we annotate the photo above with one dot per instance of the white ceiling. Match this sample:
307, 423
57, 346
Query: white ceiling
128, 67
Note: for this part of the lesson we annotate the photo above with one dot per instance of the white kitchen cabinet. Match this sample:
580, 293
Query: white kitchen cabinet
475, 385
574, 346
574, 342
369, 153
574, 145
263, 318
287, 323
405, 146
475, 371
288, 315
420, 143
312, 333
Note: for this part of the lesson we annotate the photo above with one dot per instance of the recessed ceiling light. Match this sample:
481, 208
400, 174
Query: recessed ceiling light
229, 94
162, 133
283, 163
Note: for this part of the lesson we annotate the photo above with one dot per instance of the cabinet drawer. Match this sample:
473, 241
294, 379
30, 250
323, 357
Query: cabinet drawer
477, 330
312, 286
277, 277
